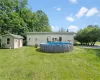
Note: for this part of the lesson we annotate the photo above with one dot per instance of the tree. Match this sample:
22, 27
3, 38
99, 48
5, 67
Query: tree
20, 4
29, 18
42, 22
62, 30
88, 35
16, 18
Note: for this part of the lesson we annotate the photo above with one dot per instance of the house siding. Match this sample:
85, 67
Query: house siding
41, 38
4, 41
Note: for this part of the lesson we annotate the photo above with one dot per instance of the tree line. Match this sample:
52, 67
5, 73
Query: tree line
17, 18
88, 35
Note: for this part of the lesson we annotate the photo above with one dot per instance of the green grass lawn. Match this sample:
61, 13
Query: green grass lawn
97, 43
28, 64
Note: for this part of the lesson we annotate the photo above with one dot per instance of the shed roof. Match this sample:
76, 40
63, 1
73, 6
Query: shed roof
15, 36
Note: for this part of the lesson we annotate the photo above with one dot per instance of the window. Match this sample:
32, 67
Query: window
8, 40
53, 39
47, 39
60, 38
29, 39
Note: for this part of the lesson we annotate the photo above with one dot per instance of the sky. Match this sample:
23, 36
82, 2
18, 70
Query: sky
68, 14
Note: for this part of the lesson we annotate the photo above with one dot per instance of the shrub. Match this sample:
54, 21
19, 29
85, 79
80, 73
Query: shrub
36, 45
75, 43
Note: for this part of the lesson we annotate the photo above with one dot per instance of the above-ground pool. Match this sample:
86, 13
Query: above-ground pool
56, 47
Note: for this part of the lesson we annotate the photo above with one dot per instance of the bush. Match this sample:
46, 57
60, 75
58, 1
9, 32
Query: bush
36, 45
75, 43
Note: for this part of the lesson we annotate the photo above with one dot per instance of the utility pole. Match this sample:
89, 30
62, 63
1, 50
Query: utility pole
67, 30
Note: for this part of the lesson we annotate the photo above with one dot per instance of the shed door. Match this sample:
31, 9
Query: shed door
18, 42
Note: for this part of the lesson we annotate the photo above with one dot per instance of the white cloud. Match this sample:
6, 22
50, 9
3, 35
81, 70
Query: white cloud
71, 19
92, 12
54, 28
73, 1
58, 9
73, 28
82, 12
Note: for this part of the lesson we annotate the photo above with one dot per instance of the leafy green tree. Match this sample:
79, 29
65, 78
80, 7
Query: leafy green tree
42, 22
20, 4
88, 35
29, 18
16, 18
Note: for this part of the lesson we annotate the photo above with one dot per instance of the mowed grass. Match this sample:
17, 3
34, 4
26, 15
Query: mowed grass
28, 64
97, 43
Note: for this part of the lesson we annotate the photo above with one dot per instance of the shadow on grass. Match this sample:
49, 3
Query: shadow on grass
38, 50
4, 48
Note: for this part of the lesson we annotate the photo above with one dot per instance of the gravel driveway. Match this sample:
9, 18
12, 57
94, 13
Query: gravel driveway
93, 47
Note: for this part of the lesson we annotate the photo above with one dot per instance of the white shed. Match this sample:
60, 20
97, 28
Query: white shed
41, 37
11, 41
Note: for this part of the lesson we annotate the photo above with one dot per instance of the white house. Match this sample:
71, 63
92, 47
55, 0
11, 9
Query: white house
41, 37
11, 41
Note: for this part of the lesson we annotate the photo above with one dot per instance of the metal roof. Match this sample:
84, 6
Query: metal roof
50, 33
